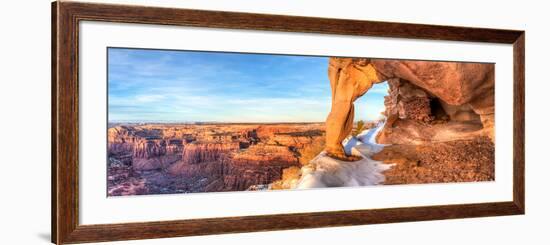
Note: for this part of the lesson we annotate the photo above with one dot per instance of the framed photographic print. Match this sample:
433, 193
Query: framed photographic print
175, 122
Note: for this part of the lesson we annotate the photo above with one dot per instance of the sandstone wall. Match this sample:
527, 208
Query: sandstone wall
427, 101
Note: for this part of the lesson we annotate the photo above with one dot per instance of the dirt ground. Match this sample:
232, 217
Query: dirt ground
444, 162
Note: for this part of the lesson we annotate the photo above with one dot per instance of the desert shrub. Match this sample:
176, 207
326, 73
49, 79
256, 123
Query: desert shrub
290, 175
358, 128
277, 185
311, 151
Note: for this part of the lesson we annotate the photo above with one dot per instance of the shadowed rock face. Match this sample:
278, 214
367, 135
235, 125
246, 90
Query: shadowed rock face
142, 149
259, 165
197, 153
422, 93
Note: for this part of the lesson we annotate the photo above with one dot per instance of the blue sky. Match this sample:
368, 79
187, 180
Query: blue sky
189, 86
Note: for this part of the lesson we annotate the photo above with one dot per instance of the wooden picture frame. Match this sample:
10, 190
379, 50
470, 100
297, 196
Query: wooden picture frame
65, 121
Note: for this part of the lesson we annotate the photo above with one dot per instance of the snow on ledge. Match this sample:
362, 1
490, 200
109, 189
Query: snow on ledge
324, 171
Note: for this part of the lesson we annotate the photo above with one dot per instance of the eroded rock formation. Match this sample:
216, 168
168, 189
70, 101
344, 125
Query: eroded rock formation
428, 101
196, 158
208, 152
349, 80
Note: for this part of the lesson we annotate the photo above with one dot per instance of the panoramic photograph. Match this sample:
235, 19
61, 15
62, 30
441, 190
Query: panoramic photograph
201, 121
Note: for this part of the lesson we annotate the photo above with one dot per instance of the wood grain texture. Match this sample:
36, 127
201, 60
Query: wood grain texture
149, 230
65, 121
54, 123
519, 122
234, 20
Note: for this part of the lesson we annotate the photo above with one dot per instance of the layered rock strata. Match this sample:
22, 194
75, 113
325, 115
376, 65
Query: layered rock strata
199, 158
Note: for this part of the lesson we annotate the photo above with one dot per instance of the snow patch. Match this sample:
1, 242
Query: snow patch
324, 171
364, 144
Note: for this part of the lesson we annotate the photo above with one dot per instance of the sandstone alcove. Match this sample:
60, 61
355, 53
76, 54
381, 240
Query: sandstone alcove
427, 102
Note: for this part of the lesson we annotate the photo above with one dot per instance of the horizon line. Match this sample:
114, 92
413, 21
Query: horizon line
218, 122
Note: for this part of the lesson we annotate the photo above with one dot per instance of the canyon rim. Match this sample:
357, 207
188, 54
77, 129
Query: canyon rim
196, 121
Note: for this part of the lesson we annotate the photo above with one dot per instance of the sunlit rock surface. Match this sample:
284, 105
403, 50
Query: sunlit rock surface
428, 101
